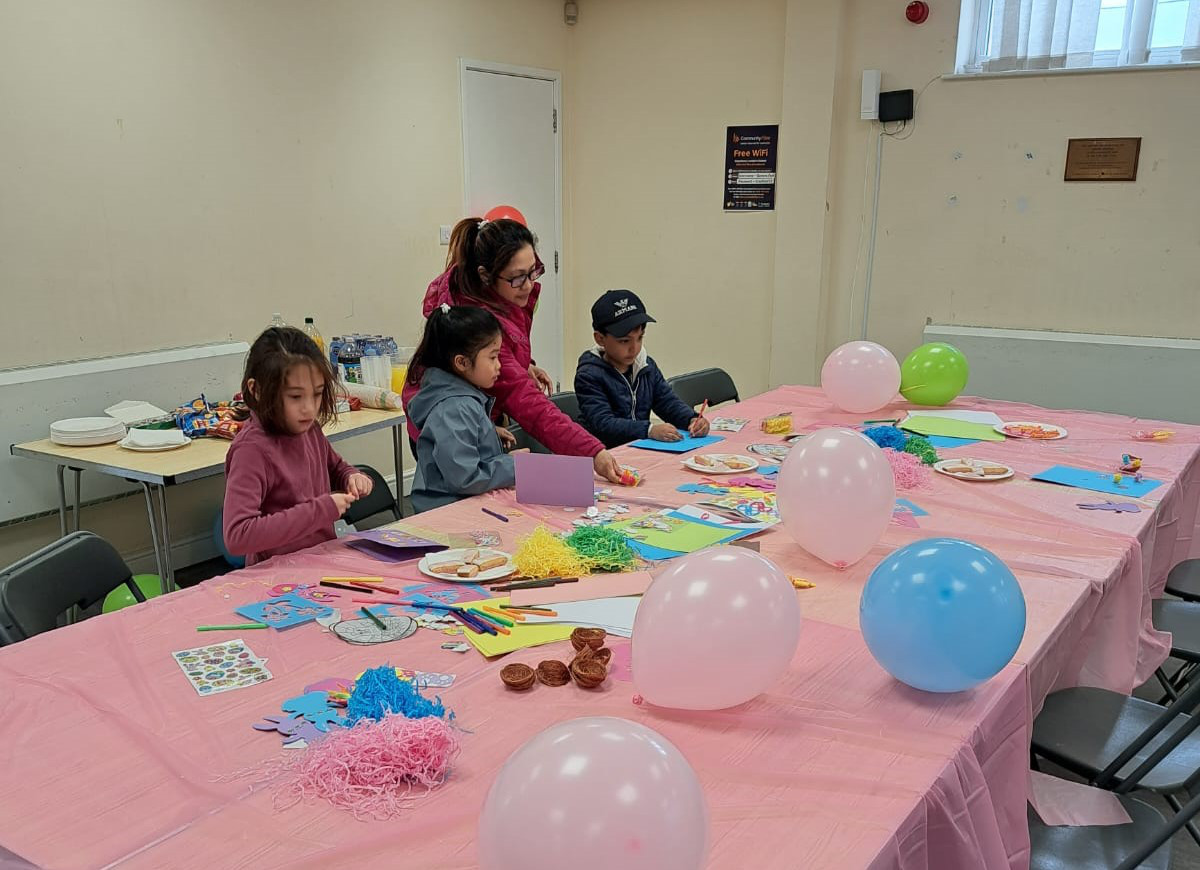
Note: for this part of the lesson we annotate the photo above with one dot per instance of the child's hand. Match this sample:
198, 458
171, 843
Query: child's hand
522, 450
342, 500
507, 439
359, 486
698, 427
664, 432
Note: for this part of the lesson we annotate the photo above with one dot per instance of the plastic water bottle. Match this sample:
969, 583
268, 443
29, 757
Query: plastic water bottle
277, 320
335, 346
350, 362
310, 329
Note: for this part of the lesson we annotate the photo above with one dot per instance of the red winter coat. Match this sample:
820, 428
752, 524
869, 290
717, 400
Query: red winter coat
517, 394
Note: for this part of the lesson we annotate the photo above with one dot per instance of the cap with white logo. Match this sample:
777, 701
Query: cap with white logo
619, 312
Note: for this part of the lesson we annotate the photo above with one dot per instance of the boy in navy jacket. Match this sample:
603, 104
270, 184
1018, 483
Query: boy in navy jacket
618, 386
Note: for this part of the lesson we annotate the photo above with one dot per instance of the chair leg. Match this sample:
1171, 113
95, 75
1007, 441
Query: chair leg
1033, 760
1177, 805
1171, 695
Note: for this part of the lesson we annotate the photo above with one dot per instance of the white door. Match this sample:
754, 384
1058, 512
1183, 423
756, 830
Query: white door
511, 157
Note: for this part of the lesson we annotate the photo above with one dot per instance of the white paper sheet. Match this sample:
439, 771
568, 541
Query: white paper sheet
614, 615
987, 418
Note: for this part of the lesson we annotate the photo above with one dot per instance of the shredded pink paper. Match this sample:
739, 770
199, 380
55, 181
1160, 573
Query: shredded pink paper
909, 471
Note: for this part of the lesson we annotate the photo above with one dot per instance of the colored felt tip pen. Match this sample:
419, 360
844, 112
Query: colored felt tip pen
375, 619
501, 517
471, 623
232, 627
345, 586
490, 621
495, 616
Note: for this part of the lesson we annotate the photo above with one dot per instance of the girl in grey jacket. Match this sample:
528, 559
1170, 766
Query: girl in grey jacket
458, 451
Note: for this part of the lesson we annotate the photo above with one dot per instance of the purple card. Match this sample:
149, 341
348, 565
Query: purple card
393, 545
558, 481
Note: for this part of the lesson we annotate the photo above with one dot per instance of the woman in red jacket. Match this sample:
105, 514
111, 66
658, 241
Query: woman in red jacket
493, 264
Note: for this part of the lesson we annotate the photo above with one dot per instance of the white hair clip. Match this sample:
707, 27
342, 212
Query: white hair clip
445, 308
483, 222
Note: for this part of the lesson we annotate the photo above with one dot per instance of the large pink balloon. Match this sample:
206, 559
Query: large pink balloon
596, 793
860, 377
836, 495
715, 629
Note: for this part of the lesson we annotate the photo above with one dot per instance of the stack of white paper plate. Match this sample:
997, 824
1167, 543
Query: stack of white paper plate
87, 431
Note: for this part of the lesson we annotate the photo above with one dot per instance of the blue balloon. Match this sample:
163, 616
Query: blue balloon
942, 615
219, 540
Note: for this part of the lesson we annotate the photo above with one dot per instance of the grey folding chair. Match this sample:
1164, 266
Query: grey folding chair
379, 501
1182, 620
525, 440
715, 385
568, 403
78, 570
1122, 743
1184, 580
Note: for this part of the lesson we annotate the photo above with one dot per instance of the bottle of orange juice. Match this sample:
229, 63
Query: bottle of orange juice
310, 329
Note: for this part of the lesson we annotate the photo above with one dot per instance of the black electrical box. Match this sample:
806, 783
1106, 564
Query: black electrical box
896, 106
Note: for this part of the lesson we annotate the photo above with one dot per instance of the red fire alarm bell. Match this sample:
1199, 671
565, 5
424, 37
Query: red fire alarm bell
917, 11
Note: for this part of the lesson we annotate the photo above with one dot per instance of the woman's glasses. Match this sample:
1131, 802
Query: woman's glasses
518, 281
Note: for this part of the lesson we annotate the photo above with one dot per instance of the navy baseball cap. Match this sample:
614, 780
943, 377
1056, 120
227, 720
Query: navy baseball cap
618, 313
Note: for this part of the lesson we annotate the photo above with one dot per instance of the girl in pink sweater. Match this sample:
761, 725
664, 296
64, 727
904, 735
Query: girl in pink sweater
285, 486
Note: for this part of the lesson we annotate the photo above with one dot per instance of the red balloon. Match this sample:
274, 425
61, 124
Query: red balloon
506, 211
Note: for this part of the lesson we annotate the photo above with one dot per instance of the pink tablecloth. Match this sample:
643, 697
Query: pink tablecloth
110, 757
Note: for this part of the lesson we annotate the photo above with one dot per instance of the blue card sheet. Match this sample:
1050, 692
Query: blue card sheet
687, 444
1098, 481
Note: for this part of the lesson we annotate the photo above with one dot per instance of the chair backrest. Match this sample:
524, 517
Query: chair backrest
380, 499
715, 385
568, 403
525, 440
80, 569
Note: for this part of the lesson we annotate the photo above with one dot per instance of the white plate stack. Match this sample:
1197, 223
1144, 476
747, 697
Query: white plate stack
86, 431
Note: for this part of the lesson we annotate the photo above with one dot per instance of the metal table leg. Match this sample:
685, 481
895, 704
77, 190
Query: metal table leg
398, 448
158, 559
62, 502
78, 474
169, 577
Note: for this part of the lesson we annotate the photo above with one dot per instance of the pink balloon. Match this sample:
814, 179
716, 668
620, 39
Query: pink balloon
715, 629
596, 793
860, 377
836, 495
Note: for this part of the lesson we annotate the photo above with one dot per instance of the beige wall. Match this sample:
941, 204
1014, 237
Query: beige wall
174, 172
977, 227
651, 88
239, 158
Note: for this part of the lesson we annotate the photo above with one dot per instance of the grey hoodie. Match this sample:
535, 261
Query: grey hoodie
458, 453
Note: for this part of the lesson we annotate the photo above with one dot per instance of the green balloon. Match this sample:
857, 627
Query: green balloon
121, 597
933, 374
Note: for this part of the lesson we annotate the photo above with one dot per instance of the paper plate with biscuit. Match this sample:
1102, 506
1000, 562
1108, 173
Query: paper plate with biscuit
470, 565
721, 463
973, 469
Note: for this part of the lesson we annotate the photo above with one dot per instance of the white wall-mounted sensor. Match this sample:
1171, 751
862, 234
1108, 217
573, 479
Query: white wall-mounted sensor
869, 110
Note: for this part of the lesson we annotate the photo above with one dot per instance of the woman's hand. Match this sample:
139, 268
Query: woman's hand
542, 378
606, 466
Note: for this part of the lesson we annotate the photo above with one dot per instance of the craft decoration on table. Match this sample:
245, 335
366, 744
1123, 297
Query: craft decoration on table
284, 611
771, 452
1123, 507
557, 481
1151, 434
543, 554
381, 629
1032, 431
727, 424
1130, 463
1098, 481
761, 507
753, 483
589, 667
889, 437
485, 538
685, 443
222, 667
601, 548
922, 449
974, 469
393, 545
305, 590
473, 565
297, 731
630, 476
777, 424
908, 470
720, 463
669, 534
315, 708
379, 692
427, 596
